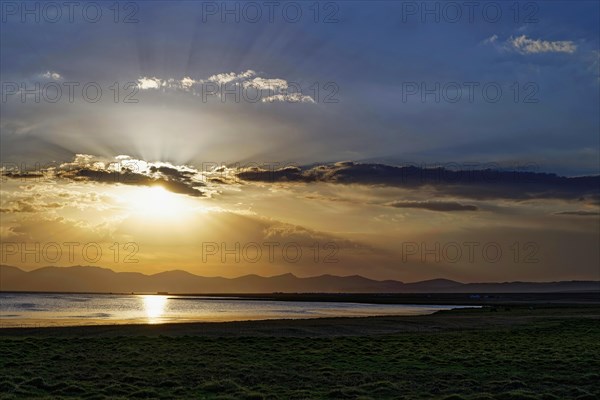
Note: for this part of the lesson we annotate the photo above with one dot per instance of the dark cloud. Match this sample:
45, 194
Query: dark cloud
127, 177
218, 180
475, 184
482, 184
171, 178
23, 175
434, 206
581, 213
174, 173
287, 174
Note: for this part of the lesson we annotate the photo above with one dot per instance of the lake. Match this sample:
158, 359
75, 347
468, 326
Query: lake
47, 309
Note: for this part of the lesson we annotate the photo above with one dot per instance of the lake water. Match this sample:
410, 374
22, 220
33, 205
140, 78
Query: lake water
36, 310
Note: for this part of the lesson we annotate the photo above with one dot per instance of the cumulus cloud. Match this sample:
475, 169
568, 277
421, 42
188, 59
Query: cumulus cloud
267, 90
231, 77
288, 98
266, 84
187, 82
145, 83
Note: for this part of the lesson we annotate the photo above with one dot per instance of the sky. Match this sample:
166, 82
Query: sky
345, 138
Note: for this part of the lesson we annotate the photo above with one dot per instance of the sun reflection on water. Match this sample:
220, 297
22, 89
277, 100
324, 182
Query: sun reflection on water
154, 306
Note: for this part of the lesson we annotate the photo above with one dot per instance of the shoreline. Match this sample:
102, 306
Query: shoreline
446, 320
425, 298
40, 323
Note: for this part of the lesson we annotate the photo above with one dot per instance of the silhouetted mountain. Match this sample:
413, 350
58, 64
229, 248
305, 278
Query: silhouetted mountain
96, 279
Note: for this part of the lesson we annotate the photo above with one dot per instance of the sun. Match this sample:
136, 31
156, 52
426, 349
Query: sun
156, 202
154, 307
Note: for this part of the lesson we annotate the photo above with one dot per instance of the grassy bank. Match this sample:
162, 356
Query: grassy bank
556, 356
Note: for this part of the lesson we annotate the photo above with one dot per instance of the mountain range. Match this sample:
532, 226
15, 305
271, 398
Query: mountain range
104, 280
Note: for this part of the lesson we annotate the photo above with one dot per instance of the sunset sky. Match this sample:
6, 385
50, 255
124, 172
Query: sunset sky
338, 155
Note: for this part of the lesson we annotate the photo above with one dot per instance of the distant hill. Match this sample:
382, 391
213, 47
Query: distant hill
96, 279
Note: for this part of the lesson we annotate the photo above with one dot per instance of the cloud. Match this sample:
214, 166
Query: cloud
145, 83
481, 184
434, 206
29, 86
491, 40
231, 77
524, 45
473, 184
268, 90
122, 170
187, 82
281, 232
29, 204
288, 98
51, 75
581, 213
21, 175
174, 172
127, 177
281, 87
266, 84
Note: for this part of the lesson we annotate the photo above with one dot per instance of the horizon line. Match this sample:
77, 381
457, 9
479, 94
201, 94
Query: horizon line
298, 277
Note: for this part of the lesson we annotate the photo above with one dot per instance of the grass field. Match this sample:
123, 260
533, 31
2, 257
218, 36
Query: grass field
553, 356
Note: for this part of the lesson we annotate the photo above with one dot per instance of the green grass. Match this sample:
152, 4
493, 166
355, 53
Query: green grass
558, 359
